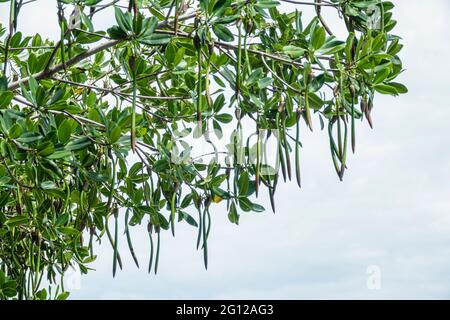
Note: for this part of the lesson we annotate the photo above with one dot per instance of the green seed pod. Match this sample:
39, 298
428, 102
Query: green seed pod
150, 227
197, 42
352, 91
132, 63
238, 114
207, 201
249, 26
211, 48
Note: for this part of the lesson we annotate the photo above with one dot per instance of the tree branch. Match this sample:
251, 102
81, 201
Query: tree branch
90, 52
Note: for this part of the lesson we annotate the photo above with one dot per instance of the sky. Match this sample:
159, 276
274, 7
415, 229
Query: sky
382, 233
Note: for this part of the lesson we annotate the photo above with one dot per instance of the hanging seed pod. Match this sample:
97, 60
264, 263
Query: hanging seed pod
258, 161
297, 148
364, 105
116, 239
200, 227
199, 82
307, 78
344, 152
366, 110
239, 60
211, 47
172, 211
150, 231
228, 175
287, 155
157, 230
333, 148
205, 239
132, 62
248, 26
238, 113
127, 233
197, 42
369, 113
91, 240
353, 94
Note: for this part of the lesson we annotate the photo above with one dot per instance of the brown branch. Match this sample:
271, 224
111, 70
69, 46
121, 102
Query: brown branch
318, 5
90, 52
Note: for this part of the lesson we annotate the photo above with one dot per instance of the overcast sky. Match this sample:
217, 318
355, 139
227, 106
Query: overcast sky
391, 214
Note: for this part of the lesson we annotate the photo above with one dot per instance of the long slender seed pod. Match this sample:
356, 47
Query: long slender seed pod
333, 148
113, 181
208, 215
344, 154
280, 157
172, 212
157, 248
150, 230
228, 172
352, 93
258, 159
306, 79
12, 14
130, 243
297, 150
247, 60
116, 239
91, 240
239, 61
176, 17
272, 198
38, 266
339, 133
286, 151
133, 112
111, 241
199, 87
200, 227
205, 239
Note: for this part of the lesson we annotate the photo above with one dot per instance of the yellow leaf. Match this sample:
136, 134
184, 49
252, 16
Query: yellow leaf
216, 199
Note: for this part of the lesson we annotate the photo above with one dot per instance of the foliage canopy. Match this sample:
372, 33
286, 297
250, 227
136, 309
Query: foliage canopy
98, 125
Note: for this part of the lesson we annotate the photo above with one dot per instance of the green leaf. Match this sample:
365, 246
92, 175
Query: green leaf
224, 117
160, 165
5, 98
63, 296
64, 131
116, 33
60, 154
294, 52
15, 131
78, 144
115, 134
223, 33
155, 39
124, 20
233, 215
243, 183
245, 204
266, 4
3, 84
29, 137
318, 37
17, 221
189, 219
